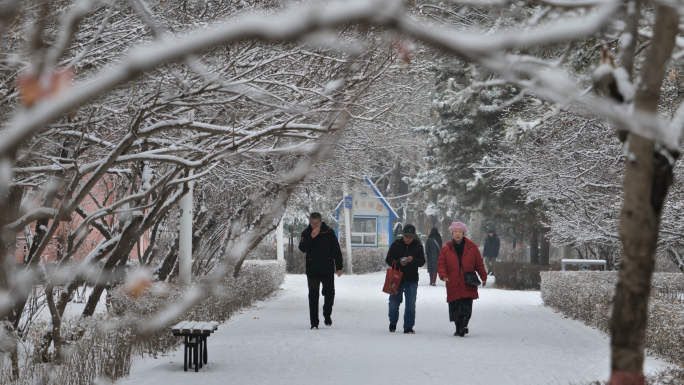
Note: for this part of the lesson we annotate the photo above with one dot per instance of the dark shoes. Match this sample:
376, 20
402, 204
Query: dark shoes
393, 328
433, 284
327, 321
461, 331
491, 273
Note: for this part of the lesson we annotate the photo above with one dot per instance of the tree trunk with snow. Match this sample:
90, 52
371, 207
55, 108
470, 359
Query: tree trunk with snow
446, 222
534, 245
545, 249
648, 175
394, 184
475, 227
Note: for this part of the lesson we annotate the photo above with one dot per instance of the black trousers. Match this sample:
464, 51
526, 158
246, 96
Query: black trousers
315, 281
460, 311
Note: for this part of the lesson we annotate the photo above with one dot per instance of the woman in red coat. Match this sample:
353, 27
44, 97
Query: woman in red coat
459, 295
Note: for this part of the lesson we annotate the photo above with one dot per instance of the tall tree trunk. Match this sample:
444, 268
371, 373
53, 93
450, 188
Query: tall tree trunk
161, 273
431, 195
8, 242
648, 175
14, 357
475, 226
568, 252
128, 240
545, 250
534, 245
420, 217
394, 185
446, 222
290, 246
10, 210
56, 325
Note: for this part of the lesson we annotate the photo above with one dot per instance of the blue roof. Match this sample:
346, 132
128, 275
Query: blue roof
393, 214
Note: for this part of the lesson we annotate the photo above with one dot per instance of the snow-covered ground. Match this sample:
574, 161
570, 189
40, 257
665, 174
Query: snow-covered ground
513, 340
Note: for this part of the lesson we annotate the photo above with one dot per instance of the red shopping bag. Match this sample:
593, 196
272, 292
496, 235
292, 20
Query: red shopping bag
392, 280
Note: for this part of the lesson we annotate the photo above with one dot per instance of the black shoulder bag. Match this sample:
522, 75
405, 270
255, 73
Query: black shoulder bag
470, 277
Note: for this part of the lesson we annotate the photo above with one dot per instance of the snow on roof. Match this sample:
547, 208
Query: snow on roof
382, 198
393, 214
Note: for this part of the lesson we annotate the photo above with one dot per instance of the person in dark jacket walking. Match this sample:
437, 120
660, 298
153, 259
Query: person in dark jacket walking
491, 251
456, 257
407, 254
432, 246
323, 260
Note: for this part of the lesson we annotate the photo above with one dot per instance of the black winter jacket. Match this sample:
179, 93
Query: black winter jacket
323, 254
398, 250
491, 246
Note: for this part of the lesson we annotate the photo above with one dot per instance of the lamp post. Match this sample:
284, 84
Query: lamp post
347, 229
185, 238
280, 241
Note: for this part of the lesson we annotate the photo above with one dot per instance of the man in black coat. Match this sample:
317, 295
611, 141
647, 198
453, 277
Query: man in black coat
323, 260
407, 254
491, 251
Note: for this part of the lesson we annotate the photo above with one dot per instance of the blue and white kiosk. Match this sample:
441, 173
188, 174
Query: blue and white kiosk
372, 216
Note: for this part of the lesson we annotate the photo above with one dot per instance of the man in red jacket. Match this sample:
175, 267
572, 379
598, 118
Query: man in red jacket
456, 257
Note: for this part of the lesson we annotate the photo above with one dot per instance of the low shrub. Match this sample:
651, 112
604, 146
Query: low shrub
365, 260
102, 346
588, 297
368, 260
668, 376
519, 275
256, 281
581, 295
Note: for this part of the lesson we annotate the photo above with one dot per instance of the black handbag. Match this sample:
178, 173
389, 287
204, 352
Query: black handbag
470, 277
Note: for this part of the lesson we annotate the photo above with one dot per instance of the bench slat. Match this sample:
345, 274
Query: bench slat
208, 326
188, 328
194, 327
177, 327
198, 328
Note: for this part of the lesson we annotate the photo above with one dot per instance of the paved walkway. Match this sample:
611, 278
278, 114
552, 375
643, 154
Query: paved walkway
512, 340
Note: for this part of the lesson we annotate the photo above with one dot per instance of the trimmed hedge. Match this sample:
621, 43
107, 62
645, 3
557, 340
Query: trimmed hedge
102, 346
668, 376
519, 275
368, 260
588, 297
365, 260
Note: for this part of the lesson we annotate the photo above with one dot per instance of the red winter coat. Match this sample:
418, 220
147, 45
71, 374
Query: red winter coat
447, 267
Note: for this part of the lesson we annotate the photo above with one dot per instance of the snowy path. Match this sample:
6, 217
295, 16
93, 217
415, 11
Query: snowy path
512, 340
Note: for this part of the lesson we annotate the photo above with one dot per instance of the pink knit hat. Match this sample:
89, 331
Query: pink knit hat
458, 225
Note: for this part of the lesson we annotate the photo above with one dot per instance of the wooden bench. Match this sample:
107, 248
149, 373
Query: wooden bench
195, 341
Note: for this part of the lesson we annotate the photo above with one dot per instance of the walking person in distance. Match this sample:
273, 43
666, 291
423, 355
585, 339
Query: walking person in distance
456, 257
433, 245
408, 255
323, 261
491, 250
